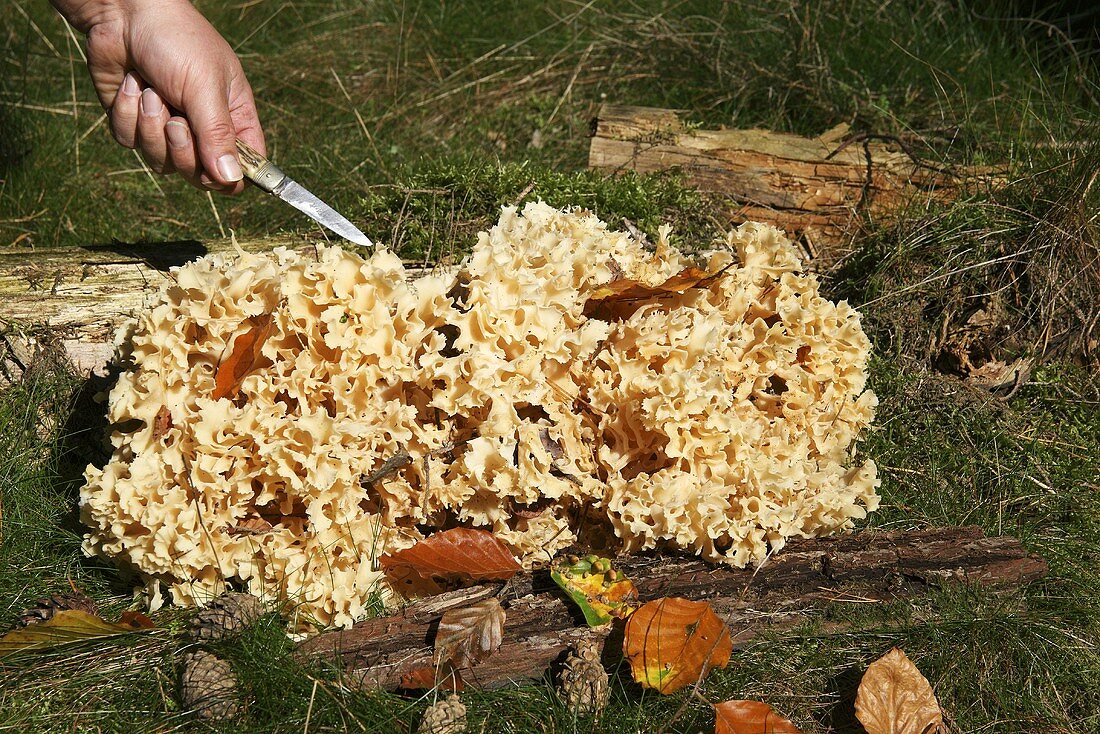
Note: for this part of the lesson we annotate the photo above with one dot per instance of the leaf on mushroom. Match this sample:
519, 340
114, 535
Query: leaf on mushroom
243, 357
468, 635
601, 591
627, 289
70, 625
460, 552
750, 717
250, 526
162, 423
894, 698
672, 642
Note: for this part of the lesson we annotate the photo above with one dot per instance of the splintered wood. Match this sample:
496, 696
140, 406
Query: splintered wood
811, 187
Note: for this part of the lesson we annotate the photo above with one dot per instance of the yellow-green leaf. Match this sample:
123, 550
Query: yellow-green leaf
601, 591
71, 625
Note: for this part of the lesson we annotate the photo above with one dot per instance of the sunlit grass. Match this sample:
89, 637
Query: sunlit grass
419, 119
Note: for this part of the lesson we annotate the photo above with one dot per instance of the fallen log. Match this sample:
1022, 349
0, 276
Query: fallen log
542, 625
79, 296
813, 188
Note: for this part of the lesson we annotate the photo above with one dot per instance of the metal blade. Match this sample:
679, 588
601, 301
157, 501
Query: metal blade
292, 193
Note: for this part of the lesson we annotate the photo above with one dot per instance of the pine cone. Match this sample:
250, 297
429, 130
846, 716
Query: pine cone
447, 716
208, 686
226, 617
583, 683
45, 608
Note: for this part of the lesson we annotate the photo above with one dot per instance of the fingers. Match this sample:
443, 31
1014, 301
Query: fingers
125, 110
151, 134
140, 119
213, 128
184, 156
181, 149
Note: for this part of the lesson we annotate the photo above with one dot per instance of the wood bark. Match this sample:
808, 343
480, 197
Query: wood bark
813, 188
542, 625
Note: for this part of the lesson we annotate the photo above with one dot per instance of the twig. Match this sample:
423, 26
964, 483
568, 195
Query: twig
309, 710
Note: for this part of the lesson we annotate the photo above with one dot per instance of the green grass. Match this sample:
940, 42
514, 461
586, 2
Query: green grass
356, 94
419, 118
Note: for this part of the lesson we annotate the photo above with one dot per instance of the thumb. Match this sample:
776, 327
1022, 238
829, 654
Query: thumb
207, 111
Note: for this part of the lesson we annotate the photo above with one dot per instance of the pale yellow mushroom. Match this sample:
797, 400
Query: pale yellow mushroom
720, 420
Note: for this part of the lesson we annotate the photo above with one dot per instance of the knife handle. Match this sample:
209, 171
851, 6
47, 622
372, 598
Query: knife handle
259, 170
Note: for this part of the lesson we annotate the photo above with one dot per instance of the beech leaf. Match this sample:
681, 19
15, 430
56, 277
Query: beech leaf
468, 635
672, 642
599, 590
242, 357
750, 717
627, 289
445, 679
162, 423
70, 625
459, 552
250, 526
894, 698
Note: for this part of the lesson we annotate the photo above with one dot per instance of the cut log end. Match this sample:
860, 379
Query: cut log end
813, 188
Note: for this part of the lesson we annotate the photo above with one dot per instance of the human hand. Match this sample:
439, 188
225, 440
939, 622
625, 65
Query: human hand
172, 87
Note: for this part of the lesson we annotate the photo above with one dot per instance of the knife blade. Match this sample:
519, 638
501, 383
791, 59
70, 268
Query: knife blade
270, 178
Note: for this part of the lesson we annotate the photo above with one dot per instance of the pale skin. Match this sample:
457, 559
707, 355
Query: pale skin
172, 87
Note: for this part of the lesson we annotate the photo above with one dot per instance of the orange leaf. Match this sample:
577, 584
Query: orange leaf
461, 552
750, 717
628, 289
468, 635
673, 642
243, 357
137, 620
448, 679
894, 698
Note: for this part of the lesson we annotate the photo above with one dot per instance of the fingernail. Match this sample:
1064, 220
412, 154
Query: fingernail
177, 134
130, 85
230, 168
150, 103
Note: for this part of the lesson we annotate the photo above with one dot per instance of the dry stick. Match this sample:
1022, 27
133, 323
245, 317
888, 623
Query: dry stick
402, 459
309, 710
569, 86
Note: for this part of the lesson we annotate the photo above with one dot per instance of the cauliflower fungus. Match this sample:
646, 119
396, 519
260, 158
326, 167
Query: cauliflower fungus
514, 396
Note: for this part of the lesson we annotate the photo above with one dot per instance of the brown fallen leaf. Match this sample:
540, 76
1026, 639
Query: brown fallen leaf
628, 289
468, 635
162, 423
750, 717
894, 698
424, 677
460, 552
250, 526
70, 625
672, 642
242, 357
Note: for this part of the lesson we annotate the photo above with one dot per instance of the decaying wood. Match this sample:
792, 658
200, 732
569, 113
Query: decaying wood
81, 296
862, 568
806, 186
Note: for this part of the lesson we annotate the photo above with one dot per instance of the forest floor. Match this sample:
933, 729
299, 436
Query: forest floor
421, 119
